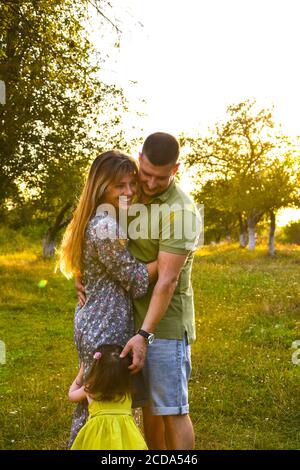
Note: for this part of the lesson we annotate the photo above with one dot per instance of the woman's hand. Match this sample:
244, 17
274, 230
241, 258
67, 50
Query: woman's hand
80, 290
152, 270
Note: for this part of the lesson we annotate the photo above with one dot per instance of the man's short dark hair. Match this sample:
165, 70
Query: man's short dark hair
161, 149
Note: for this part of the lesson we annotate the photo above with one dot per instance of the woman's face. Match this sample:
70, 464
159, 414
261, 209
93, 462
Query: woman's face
120, 193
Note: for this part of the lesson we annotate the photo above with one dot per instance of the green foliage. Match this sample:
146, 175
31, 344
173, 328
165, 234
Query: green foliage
245, 167
238, 146
54, 102
219, 221
291, 233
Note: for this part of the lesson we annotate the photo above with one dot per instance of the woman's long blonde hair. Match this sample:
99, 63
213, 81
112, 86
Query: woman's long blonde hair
106, 168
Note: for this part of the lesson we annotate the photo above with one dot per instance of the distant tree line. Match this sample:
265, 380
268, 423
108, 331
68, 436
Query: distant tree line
291, 233
58, 115
246, 170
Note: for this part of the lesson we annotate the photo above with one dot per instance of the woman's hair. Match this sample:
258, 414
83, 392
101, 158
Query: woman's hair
106, 168
109, 378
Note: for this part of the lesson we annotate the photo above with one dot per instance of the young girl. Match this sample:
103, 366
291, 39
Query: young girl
107, 387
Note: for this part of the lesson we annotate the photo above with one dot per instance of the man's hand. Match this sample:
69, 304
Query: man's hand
80, 291
138, 346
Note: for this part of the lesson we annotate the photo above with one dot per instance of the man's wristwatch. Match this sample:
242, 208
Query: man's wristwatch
149, 337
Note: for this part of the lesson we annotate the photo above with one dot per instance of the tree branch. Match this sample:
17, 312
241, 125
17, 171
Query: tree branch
94, 4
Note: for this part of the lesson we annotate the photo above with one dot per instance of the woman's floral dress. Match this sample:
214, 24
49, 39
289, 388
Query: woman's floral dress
111, 275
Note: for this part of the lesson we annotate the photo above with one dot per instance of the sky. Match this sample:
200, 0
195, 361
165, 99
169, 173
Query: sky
193, 58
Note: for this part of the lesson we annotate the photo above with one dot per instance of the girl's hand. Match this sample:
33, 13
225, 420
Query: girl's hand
81, 370
76, 392
79, 378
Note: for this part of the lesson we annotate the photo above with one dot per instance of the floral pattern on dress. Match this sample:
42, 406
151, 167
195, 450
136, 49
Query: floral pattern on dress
111, 276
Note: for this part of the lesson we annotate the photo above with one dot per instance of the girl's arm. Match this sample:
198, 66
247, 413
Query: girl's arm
76, 392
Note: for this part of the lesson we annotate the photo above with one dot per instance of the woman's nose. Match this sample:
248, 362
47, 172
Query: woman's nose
128, 190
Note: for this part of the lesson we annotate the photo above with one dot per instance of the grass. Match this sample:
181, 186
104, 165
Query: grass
245, 388
244, 391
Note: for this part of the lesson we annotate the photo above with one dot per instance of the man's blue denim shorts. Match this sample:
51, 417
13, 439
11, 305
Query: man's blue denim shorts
166, 374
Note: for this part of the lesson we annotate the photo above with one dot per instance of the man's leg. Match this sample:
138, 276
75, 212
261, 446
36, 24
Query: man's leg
167, 368
154, 430
179, 432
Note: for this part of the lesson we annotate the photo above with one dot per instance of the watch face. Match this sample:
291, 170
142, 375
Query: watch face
151, 338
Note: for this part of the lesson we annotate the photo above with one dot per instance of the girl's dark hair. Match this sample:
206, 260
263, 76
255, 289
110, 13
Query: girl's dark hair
109, 378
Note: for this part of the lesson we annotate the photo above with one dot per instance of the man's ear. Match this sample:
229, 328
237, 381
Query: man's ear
175, 168
140, 156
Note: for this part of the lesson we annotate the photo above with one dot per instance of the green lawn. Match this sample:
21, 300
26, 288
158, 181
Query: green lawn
244, 392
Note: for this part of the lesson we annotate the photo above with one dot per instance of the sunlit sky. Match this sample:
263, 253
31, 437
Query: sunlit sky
192, 58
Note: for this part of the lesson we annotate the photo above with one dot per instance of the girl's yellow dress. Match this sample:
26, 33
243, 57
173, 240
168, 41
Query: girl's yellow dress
110, 426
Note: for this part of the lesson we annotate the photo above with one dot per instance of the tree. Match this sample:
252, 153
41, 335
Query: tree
280, 190
54, 101
291, 233
220, 222
57, 115
241, 152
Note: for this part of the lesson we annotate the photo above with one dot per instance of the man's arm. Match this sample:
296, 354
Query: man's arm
169, 266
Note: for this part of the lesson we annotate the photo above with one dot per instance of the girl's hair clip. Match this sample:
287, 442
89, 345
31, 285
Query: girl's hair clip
97, 355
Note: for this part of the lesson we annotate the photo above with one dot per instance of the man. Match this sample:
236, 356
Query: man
167, 310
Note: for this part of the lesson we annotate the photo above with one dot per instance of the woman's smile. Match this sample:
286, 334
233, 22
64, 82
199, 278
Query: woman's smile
120, 193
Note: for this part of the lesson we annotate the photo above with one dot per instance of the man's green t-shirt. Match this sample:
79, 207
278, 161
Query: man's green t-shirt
171, 224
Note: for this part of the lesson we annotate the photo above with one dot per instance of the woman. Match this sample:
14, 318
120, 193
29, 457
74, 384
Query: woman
95, 246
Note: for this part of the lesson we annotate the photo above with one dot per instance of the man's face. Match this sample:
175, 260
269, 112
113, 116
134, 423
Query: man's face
155, 179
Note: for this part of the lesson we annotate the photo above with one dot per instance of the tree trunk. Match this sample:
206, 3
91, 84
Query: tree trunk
272, 233
49, 244
49, 241
228, 233
251, 231
243, 232
243, 240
